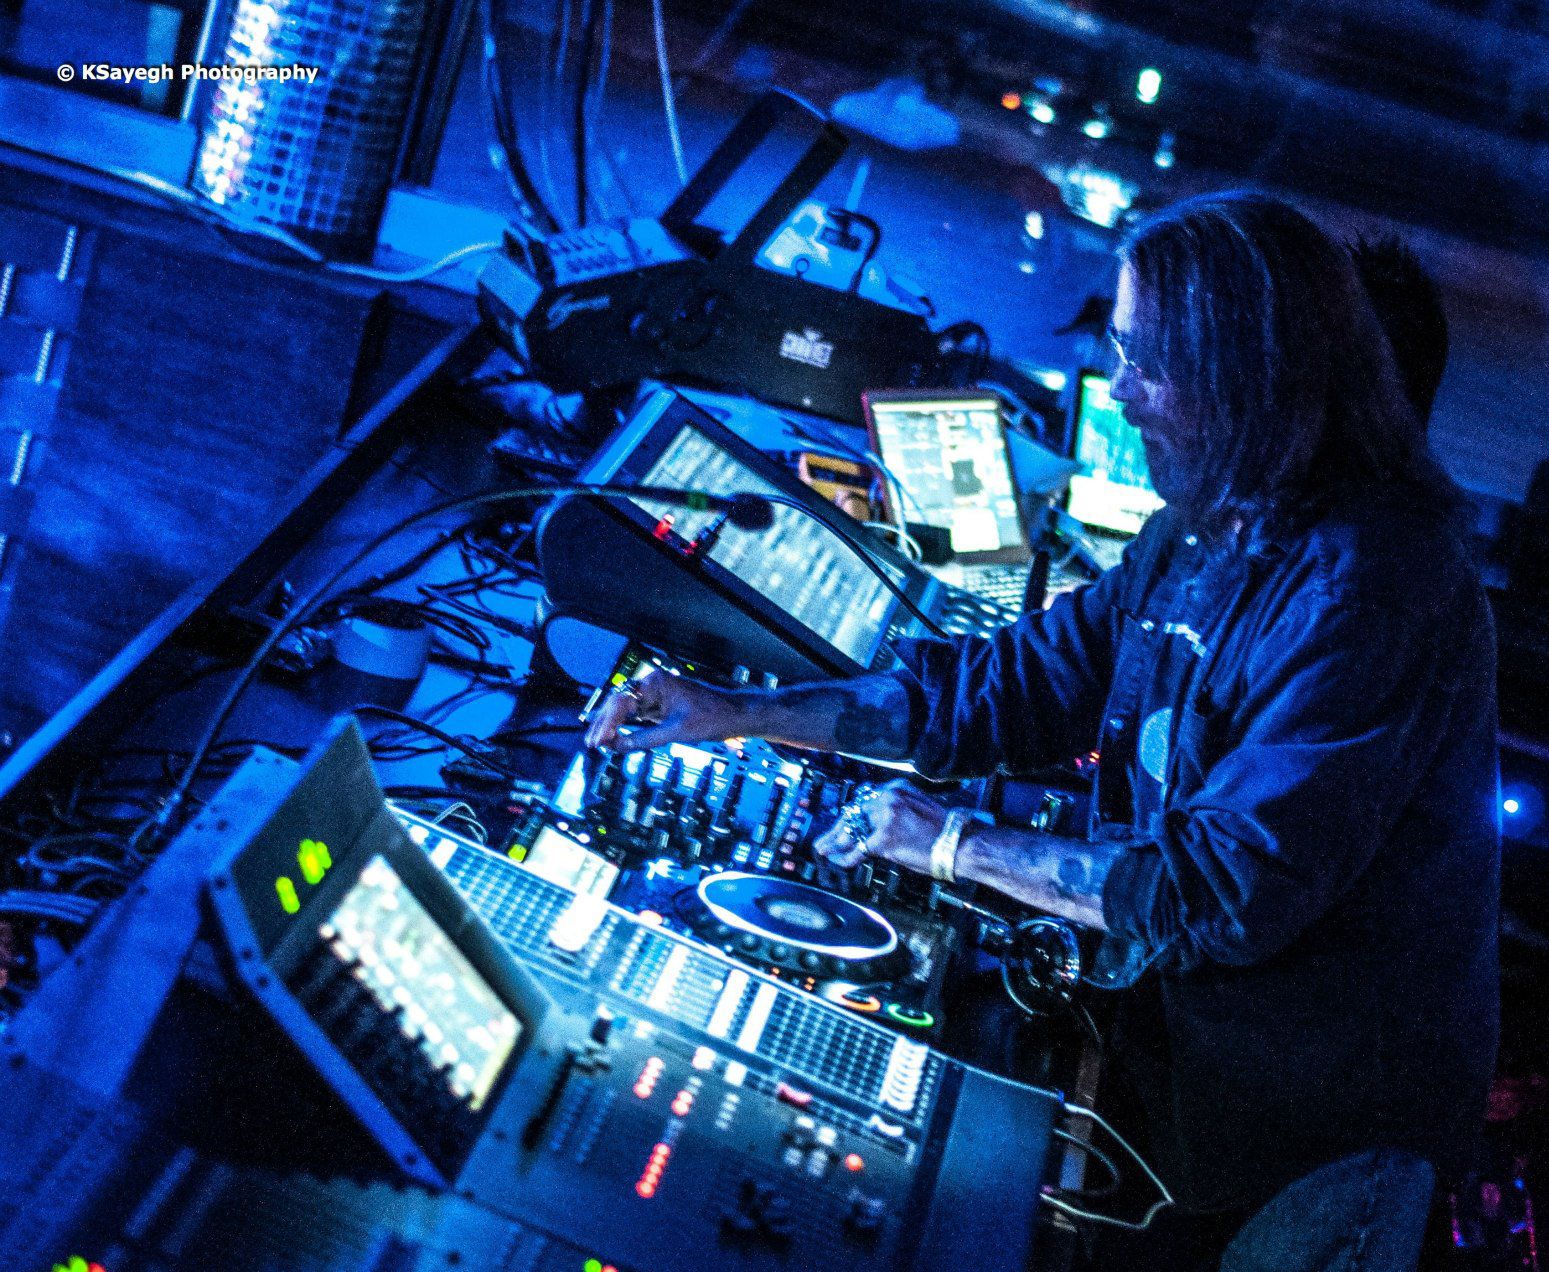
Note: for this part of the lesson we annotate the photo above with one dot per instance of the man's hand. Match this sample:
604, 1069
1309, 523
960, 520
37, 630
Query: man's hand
678, 709
1048, 872
903, 824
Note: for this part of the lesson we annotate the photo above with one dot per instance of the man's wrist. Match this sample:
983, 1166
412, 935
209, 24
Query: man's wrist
943, 851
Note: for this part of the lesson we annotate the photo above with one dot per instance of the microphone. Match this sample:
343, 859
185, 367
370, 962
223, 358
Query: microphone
750, 512
743, 510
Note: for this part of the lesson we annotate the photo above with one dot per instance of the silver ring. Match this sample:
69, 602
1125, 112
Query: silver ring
857, 824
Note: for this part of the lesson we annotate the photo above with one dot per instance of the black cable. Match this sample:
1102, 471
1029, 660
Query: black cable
524, 188
398, 717
590, 18
871, 248
693, 499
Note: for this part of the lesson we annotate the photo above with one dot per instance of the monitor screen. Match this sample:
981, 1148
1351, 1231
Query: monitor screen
798, 564
1113, 489
949, 454
412, 969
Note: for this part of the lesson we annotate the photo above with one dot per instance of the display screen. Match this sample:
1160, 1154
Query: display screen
797, 564
1113, 489
560, 859
949, 454
407, 963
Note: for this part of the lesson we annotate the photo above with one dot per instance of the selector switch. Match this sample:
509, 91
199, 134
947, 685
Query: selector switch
864, 1220
759, 1216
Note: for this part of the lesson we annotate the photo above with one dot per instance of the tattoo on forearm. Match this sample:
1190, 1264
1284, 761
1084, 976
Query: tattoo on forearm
1073, 876
859, 725
867, 716
1053, 873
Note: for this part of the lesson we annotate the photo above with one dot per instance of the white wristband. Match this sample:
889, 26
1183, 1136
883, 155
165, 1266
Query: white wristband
943, 853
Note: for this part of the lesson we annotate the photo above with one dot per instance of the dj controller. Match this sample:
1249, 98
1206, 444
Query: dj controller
715, 842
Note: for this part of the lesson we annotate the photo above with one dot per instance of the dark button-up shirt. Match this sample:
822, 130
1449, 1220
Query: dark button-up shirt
1301, 727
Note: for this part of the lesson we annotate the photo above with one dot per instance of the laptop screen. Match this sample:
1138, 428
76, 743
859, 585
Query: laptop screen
948, 451
1113, 491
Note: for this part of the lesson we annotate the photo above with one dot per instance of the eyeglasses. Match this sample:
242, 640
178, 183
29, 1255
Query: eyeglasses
1116, 344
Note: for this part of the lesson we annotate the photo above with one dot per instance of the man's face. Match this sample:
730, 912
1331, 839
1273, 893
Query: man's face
1150, 404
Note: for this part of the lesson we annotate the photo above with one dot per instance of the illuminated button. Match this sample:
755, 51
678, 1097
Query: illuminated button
906, 1016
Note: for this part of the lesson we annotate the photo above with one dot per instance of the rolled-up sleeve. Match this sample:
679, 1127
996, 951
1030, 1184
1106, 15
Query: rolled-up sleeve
1343, 708
1028, 696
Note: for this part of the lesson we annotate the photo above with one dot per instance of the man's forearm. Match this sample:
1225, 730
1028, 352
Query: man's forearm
1052, 873
866, 716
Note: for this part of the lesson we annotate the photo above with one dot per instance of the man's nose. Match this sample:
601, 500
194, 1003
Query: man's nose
1126, 386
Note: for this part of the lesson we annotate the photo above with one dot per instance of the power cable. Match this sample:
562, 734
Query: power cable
669, 99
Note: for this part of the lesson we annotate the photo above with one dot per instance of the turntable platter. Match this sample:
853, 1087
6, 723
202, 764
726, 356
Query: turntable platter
796, 926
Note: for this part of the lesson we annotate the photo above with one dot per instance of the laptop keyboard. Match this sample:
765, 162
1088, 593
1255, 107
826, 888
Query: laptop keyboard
1003, 584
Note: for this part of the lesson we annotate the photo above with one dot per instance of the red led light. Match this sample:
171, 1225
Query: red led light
854, 1161
651, 1176
646, 1082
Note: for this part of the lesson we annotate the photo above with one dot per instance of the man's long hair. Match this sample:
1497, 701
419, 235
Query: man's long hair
1407, 301
1259, 323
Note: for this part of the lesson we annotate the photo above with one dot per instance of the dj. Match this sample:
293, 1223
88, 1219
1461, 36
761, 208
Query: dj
1291, 681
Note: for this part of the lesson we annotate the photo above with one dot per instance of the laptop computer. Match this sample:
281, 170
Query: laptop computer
1110, 494
947, 450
